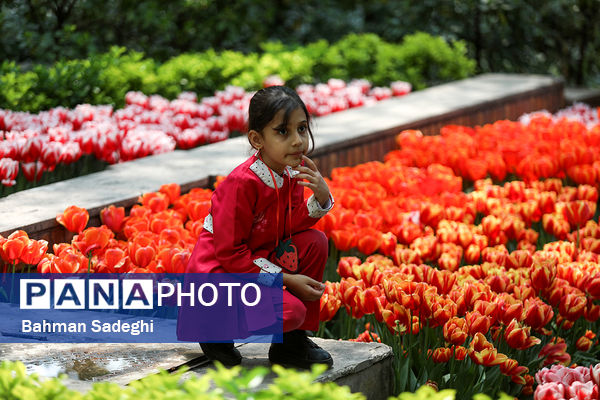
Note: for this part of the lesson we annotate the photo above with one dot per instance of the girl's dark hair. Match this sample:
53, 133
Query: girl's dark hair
269, 101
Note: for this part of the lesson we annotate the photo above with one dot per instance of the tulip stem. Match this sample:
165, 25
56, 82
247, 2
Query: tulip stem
89, 262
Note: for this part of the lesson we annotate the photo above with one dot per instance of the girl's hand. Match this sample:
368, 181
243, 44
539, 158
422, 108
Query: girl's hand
303, 287
314, 180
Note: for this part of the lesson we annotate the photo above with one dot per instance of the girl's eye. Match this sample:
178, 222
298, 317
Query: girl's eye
282, 131
302, 129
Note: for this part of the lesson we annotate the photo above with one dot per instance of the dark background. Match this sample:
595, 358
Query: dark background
557, 37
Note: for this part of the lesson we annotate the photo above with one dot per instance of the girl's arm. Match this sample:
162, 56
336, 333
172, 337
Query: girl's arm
232, 214
306, 213
303, 287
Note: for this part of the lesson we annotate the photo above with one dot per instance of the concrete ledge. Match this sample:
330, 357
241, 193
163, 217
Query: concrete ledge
590, 96
364, 367
345, 138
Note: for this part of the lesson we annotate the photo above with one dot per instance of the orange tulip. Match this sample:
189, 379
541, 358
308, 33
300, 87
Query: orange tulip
34, 251
173, 260
592, 312
508, 312
472, 254
113, 217
58, 265
113, 260
460, 352
556, 225
537, 313
347, 265
329, 306
388, 244
487, 308
519, 259
74, 219
369, 240
578, 212
407, 232
172, 190
431, 214
428, 247
491, 226
197, 209
593, 286
572, 306
440, 354
406, 256
542, 273
155, 201
343, 239
442, 280
585, 342
93, 239
511, 368
455, 331
397, 318
477, 323
483, 352
555, 352
366, 300
14, 246
370, 274
518, 337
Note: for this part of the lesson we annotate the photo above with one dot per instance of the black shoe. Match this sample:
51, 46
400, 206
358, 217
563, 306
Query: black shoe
225, 353
298, 351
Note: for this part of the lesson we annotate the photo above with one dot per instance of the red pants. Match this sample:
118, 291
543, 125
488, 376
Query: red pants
312, 246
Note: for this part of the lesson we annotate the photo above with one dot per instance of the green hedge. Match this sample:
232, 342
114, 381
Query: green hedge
421, 59
234, 383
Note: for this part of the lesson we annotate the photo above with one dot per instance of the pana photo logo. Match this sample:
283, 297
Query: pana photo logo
138, 294
137, 308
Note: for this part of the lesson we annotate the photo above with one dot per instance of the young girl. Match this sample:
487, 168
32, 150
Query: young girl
257, 209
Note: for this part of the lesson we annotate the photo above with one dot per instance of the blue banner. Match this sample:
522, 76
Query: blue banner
140, 308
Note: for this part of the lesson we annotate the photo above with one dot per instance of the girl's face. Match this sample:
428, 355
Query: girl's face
281, 145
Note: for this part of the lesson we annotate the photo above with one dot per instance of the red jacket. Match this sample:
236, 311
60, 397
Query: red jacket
240, 231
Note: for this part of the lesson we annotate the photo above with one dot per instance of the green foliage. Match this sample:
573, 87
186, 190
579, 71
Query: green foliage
233, 383
429, 393
536, 36
421, 59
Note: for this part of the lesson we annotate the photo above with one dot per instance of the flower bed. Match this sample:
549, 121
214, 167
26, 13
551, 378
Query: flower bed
61, 143
476, 285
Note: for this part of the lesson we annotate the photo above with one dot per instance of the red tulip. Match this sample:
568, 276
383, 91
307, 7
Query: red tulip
572, 306
519, 337
93, 239
34, 251
369, 240
477, 323
537, 313
440, 354
113, 217
14, 246
155, 201
343, 240
455, 331
585, 342
74, 219
578, 212
329, 306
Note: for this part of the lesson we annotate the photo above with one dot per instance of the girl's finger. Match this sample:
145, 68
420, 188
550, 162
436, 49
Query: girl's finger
310, 163
304, 175
304, 170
